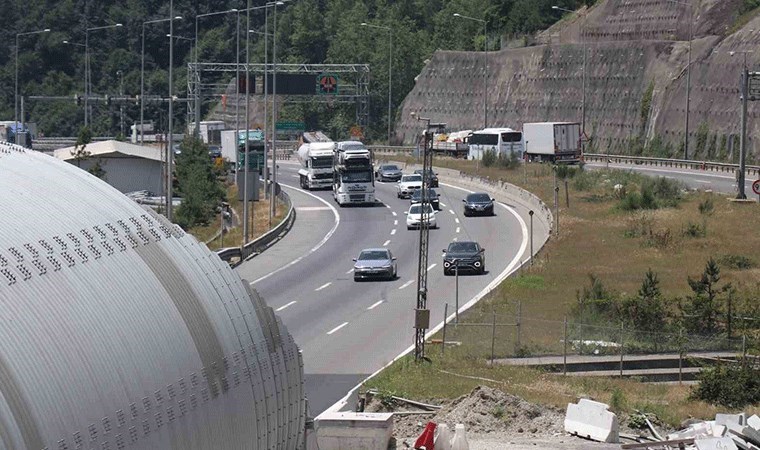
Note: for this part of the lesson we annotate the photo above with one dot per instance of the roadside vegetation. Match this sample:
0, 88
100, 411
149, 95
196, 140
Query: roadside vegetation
674, 268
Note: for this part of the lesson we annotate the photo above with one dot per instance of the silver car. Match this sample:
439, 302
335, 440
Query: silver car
375, 263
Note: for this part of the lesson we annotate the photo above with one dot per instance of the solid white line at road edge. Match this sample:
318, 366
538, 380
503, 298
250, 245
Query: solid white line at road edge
316, 247
337, 328
513, 265
283, 307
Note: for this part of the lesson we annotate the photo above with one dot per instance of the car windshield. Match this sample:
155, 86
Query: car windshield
411, 178
373, 255
478, 198
389, 168
457, 247
417, 209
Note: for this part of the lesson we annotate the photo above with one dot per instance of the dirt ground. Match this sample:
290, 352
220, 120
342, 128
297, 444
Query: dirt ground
493, 420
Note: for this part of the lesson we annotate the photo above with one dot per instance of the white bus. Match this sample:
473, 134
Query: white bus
501, 140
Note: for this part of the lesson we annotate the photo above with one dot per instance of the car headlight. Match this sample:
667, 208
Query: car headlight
477, 264
446, 264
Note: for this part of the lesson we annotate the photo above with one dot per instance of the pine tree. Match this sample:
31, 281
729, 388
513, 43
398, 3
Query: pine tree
701, 310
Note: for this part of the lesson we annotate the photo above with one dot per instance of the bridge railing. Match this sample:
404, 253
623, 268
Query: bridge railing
672, 163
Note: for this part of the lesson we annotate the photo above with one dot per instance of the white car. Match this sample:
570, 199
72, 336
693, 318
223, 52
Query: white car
407, 184
414, 216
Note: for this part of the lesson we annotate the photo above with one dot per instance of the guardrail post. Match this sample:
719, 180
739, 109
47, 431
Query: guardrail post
445, 317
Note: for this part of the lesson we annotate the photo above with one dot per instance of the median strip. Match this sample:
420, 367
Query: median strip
285, 306
337, 328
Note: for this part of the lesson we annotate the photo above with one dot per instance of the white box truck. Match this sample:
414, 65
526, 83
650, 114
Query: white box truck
552, 141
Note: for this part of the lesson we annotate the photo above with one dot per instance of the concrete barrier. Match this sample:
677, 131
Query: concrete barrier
592, 420
721, 443
353, 430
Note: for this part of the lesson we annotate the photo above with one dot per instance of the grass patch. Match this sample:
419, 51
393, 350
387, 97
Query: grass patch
618, 247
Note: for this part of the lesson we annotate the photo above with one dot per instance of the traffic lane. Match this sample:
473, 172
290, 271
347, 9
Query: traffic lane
390, 322
314, 225
694, 179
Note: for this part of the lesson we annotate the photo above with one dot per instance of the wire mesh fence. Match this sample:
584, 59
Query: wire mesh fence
500, 336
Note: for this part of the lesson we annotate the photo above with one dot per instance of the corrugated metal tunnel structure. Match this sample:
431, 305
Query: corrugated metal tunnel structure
120, 331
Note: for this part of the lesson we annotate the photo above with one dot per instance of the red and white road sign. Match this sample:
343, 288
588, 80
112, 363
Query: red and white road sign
756, 187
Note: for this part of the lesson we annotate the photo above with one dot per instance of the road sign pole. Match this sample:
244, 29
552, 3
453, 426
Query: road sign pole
743, 137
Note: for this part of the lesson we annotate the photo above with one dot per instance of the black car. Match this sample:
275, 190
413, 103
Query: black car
388, 172
431, 176
431, 197
478, 203
464, 256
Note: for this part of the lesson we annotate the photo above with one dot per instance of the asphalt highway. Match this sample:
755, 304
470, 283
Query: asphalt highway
348, 330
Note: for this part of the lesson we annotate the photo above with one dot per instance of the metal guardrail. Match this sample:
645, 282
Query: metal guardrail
675, 163
264, 241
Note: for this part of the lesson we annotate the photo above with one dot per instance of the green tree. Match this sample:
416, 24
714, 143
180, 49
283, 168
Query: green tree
701, 310
646, 311
80, 152
200, 190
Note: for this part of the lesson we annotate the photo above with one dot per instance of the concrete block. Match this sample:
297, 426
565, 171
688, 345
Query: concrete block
739, 419
698, 430
722, 443
354, 431
754, 422
719, 430
748, 434
592, 420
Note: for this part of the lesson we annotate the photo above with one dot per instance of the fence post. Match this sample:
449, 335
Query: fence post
680, 356
493, 337
622, 346
744, 345
445, 316
564, 352
519, 327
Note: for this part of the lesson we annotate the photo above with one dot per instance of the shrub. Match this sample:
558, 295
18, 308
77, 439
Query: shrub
617, 401
489, 158
729, 385
693, 230
736, 262
659, 239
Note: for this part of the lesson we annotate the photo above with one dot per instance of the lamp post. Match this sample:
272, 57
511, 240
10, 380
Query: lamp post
121, 104
743, 137
688, 79
88, 75
198, 88
390, 70
15, 99
142, 74
485, 78
272, 195
583, 83
170, 141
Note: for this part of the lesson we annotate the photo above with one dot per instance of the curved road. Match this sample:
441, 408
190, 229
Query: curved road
349, 330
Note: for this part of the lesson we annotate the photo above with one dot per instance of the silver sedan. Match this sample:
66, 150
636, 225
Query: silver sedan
375, 263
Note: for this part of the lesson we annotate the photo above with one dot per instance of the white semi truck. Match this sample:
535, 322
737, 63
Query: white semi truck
316, 159
552, 141
353, 180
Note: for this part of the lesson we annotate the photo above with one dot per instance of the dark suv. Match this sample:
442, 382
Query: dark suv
464, 256
478, 203
432, 197
431, 176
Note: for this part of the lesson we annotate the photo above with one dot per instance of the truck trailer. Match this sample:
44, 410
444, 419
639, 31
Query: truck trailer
316, 160
552, 141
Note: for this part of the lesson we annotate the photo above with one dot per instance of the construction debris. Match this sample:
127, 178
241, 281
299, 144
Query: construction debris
592, 420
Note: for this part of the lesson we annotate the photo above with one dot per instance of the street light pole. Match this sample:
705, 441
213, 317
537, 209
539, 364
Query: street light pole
198, 102
390, 71
88, 75
485, 53
583, 83
142, 75
273, 194
15, 100
170, 143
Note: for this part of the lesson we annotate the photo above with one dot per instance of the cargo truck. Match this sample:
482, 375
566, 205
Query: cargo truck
316, 160
353, 182
552, 141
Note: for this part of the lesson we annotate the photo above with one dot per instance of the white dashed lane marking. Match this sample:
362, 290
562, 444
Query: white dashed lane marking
456, 220
431, 266
393, 231
337, 328
285, 306
374, 305
451, 211
457, 229
406, 284
385, 244
394, 214
322, 287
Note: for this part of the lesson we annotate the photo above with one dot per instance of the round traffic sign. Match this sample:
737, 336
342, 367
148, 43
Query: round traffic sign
756, 187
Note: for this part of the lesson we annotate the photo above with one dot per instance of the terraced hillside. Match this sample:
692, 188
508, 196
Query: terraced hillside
636, 61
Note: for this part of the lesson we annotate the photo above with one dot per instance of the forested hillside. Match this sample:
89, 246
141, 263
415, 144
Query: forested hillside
309, 31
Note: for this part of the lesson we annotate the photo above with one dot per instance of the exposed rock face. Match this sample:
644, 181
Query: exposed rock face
636, 71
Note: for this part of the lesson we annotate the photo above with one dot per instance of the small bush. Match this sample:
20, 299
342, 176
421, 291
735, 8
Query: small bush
640, 224
489, 158
736, 262
498, 411
693, 230
729, 385
617, 401
660, 239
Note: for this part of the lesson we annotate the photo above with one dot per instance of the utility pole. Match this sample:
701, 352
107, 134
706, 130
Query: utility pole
170, 147
743, 137
121, 104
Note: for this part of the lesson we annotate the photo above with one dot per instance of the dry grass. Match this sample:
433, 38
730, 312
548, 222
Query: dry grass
593, 239
258, 222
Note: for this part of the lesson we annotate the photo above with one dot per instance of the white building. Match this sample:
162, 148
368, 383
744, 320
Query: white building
128, 167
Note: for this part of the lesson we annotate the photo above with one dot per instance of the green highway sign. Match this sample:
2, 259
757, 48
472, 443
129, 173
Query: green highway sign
294, 126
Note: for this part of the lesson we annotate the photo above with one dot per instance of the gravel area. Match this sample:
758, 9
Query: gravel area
493, 420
